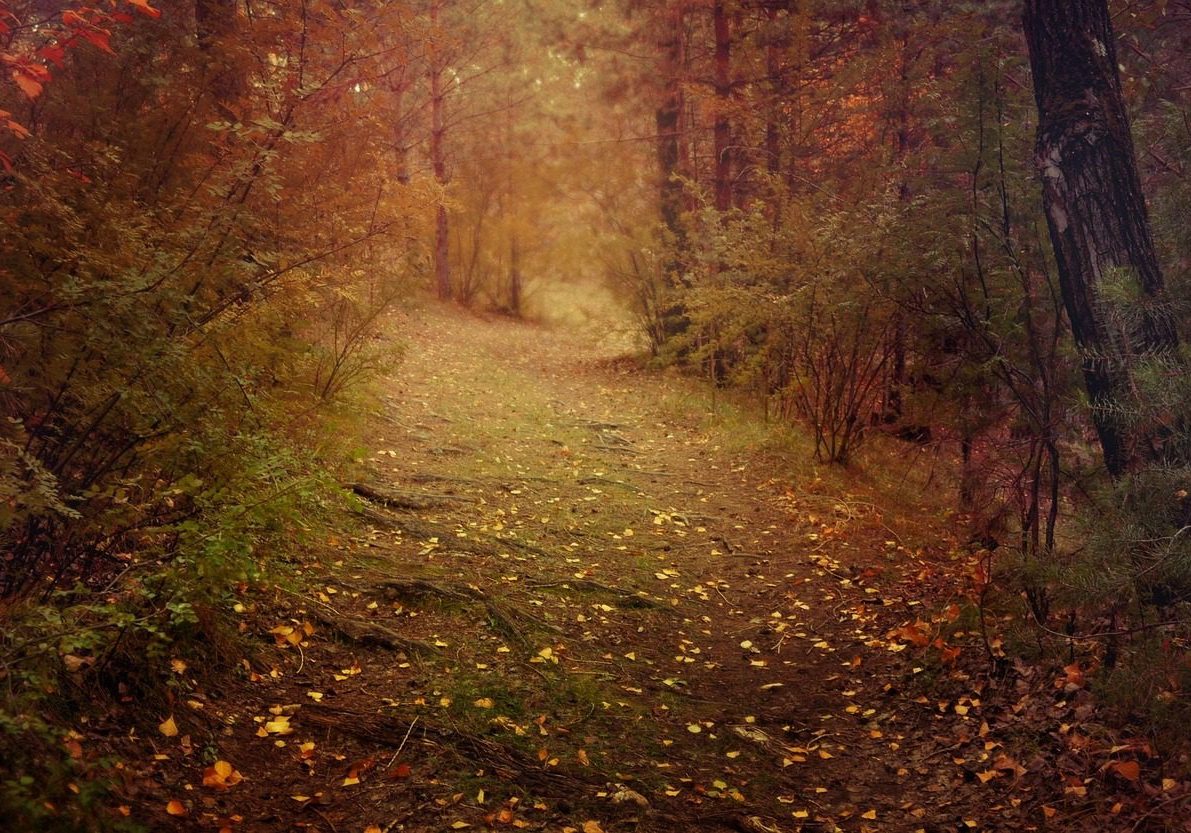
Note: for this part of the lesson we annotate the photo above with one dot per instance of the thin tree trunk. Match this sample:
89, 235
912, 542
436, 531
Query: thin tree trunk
515, 276
773, 70
442, 242
669, 124
1097, 216
400, 86
723, 93
215, 31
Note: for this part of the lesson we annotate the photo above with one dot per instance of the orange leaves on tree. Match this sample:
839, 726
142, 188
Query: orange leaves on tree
83, 24
54, 53
143, 7
21, 132
29, 76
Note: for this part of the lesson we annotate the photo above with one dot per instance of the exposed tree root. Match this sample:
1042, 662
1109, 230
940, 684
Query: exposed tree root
368, 633
509, 762
628, 598
404, 500
503, 619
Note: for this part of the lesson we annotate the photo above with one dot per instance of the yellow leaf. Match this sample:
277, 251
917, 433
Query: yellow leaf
484, 703
870, 815
221, 776
178, 666
168, 727
279, 726
592, 827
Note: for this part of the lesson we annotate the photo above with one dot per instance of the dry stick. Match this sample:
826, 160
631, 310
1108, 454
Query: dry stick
408, 732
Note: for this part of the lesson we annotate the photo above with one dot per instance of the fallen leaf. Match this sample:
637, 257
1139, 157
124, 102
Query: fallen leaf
168, 727
175, 807
1129, 770
221, 776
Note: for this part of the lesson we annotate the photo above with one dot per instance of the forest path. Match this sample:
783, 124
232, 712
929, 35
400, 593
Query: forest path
581, 603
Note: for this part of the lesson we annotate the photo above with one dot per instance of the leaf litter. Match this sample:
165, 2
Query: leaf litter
700, 647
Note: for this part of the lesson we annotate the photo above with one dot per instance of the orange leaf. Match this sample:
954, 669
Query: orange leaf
27, 81
1129, 770
143, 7
221, 776
175, 807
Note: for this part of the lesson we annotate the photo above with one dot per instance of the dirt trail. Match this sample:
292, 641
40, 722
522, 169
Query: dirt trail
579, 602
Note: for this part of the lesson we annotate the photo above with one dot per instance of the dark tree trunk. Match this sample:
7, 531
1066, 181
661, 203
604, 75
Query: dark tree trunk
515, 277
774, 47
1096, 214
723, 94
438, 160
215, 30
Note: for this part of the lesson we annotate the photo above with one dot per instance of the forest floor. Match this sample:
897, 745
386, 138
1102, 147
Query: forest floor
581, 600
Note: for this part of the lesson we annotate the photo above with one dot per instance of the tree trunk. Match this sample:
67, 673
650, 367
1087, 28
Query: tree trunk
442, 244
669, 123
515, 276
1097, 216
723, 94
400, 86
215, 30
774, 46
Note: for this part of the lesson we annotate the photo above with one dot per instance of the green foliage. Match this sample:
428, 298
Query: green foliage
195, 264
782, 302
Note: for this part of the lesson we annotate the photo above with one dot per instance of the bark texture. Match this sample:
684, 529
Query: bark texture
1097, 216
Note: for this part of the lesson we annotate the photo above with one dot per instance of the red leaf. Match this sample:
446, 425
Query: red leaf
53, 53
99, 38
